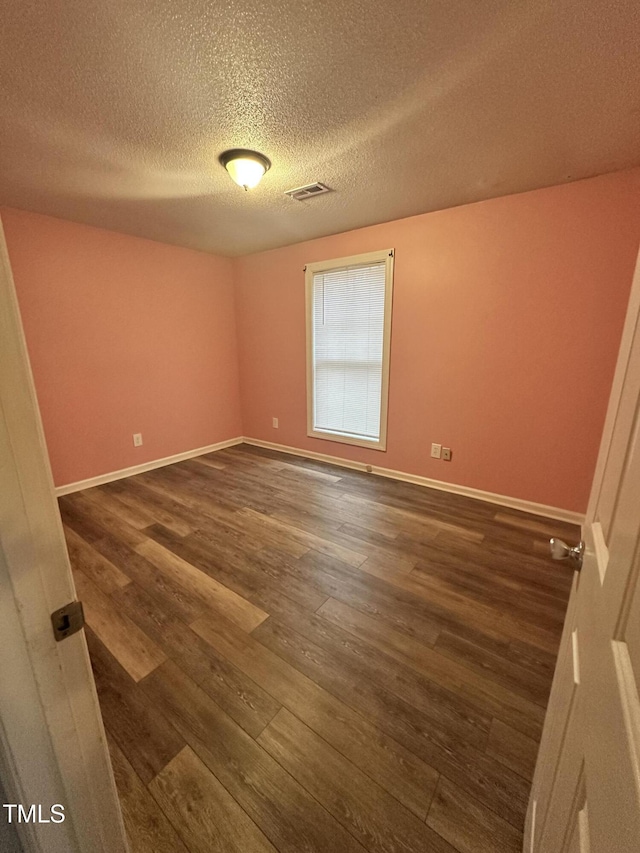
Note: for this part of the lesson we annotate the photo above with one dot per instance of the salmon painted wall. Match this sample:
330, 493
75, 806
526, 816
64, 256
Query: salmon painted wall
124, 335
507, 319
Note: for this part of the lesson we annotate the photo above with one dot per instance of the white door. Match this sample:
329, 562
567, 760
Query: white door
52, 744
586, 789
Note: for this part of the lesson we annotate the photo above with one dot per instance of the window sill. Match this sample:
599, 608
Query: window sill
379, 444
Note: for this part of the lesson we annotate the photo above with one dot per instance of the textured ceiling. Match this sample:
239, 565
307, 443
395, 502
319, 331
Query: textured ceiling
114, 112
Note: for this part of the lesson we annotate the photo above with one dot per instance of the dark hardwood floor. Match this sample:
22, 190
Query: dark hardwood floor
296, 657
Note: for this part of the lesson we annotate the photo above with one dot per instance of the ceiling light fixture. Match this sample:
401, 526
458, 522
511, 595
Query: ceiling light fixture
245, 167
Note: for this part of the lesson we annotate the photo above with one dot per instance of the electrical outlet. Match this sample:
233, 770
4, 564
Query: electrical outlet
436, 451
275, 423
137, 439
446, 454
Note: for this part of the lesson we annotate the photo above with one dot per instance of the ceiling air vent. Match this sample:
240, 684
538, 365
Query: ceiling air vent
301, 193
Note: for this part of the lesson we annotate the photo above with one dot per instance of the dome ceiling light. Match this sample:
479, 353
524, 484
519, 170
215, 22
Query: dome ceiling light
245, 167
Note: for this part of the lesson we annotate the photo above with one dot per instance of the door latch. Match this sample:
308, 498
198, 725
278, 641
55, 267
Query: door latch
67, 620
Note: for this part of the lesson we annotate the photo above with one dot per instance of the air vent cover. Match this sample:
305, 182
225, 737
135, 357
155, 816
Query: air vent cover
300, 193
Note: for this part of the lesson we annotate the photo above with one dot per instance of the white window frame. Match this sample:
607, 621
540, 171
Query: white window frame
386, 255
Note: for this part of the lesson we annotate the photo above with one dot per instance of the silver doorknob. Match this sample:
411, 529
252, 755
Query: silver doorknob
561, 551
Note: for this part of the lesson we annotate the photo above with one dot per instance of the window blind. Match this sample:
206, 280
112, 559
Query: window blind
348, 343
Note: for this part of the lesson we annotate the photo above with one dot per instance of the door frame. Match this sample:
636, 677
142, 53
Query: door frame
632, 318
53, 747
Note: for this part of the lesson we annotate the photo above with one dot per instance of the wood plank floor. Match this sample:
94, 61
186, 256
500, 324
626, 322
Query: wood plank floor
296, 657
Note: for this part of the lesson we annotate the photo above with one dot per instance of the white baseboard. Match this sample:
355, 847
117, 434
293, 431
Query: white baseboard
146, 466
490, 497
467, 491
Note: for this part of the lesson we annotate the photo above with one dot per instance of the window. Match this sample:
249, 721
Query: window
348, 337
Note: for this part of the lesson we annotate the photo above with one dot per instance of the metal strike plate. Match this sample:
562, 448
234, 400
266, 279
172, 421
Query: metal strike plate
68, 620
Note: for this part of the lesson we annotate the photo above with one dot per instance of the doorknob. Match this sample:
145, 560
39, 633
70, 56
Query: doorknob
561, 551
